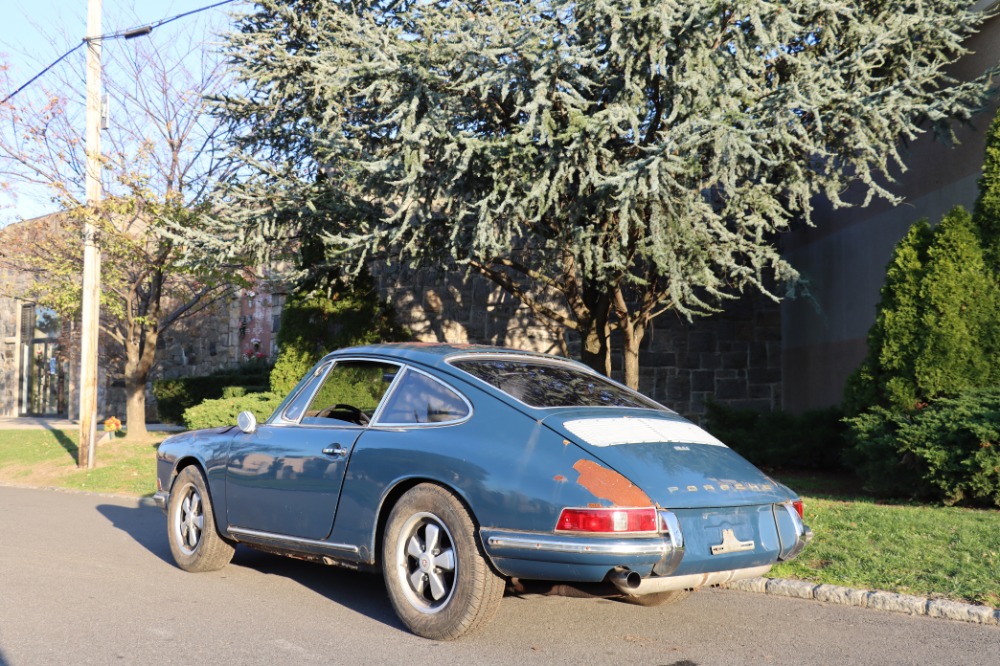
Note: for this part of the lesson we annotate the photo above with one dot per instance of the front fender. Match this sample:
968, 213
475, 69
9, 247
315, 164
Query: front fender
209, 450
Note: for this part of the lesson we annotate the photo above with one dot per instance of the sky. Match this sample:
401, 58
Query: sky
34, 33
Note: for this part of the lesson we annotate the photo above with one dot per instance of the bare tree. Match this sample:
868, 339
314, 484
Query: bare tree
159, 160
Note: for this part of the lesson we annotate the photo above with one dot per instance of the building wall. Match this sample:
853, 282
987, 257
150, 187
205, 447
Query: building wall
843, 258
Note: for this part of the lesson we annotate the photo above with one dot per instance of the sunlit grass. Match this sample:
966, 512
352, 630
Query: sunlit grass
924, 550
48, 458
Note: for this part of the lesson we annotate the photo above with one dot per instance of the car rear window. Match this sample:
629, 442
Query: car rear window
541, 384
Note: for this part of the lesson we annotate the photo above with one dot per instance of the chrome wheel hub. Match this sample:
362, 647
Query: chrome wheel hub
189, 523
426, 561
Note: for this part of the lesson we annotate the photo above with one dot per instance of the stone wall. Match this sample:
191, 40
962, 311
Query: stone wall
733, 358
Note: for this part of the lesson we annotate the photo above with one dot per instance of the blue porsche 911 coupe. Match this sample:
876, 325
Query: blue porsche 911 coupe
462, 472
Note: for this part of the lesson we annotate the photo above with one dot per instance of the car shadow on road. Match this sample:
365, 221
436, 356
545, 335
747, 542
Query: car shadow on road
145, 524
361, 592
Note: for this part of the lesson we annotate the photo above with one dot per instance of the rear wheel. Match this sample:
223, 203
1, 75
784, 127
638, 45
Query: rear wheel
437, 578
657, 598
194, 542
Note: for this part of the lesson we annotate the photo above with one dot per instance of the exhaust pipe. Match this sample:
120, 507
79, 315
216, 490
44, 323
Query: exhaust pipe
626, 581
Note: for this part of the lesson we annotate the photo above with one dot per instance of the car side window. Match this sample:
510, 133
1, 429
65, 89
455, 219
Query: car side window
350, 394
420, 398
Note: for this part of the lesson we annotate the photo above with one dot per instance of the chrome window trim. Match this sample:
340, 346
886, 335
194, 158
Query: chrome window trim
323, 369
397, 382
270, 536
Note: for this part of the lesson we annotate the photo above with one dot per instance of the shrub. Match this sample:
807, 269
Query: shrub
937, 328
812, 440
173, 396
223, 411
948, 450
987, 210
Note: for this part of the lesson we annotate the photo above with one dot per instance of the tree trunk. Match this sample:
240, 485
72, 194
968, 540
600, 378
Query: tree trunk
139, 357
633, 328
632, 339
594, 334
135, 407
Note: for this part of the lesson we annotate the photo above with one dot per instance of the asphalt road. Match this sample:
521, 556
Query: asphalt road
88, 579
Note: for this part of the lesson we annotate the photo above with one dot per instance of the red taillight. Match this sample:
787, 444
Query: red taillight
798, 507
610, 520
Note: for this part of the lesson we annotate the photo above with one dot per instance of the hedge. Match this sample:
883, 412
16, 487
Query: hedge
812, 440
948, 450
173, 396
223, 411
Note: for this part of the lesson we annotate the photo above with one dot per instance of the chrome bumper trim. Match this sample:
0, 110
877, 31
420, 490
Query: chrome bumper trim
161, 497
577, 546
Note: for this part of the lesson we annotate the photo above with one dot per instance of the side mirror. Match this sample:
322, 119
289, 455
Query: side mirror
247, 422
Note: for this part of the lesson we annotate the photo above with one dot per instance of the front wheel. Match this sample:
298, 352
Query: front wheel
194, 541
437, 578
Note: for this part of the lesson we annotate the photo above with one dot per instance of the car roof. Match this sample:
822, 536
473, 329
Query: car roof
436, 354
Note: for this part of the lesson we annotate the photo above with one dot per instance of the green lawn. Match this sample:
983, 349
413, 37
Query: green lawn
933, 551
47, 458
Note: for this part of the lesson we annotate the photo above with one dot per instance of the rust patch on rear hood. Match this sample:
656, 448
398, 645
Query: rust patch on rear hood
608, 484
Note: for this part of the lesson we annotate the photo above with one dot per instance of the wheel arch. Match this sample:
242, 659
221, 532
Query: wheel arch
392, 497
219, 508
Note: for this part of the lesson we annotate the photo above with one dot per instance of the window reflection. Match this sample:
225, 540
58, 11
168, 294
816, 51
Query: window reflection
540, 384
422, 399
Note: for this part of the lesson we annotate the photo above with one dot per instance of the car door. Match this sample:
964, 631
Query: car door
285, 478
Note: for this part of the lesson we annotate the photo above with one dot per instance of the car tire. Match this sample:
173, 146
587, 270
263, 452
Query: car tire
194, 541
657, 598
437, 577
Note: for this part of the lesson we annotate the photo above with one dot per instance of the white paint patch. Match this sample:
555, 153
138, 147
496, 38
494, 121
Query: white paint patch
625, 430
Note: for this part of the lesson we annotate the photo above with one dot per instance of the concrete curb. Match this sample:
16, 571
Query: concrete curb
885, 601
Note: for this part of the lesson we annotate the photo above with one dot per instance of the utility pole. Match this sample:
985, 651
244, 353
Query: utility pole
91, 312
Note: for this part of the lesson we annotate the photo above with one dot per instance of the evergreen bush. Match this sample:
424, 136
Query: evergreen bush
937, 328
949, 450
987, 210
321, 320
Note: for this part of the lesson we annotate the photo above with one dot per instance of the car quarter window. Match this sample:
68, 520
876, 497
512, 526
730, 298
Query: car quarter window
419, 398
544, 384
350, 393
298, 405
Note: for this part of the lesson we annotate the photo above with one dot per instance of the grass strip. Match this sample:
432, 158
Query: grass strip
929, 551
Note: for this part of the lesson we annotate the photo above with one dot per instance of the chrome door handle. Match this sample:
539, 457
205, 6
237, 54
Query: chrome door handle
335, 450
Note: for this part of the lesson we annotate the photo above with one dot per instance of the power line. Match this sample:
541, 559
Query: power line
148, 28
121, 34
39, 75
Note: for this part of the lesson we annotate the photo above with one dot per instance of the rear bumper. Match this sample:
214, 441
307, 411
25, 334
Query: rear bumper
696, 548
538, 556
